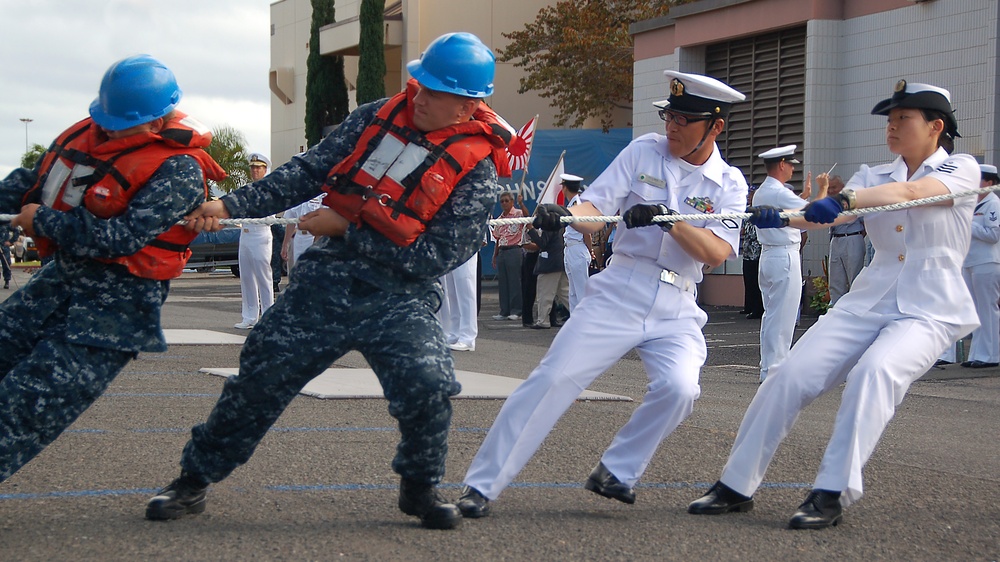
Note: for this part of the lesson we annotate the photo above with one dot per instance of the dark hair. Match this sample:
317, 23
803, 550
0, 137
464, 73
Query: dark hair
945, 140
994, 179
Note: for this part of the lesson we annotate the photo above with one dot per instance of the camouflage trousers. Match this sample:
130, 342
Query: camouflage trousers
319, 318
45, 387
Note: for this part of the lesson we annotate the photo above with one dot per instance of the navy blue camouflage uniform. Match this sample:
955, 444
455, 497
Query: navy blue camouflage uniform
77, 322
356, 292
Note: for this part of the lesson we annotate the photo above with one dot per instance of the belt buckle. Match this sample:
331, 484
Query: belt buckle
674, 279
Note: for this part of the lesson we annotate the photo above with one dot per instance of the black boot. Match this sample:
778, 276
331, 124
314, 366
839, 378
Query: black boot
820, 510
183, 496
424, 501
603, 483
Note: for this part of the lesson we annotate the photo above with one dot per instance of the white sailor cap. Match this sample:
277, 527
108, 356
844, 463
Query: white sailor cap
777, 154
257, 158
987, 169
572, 183
920, 96
695, 94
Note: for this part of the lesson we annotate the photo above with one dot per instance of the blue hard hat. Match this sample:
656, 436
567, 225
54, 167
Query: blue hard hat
457, 63
135, 90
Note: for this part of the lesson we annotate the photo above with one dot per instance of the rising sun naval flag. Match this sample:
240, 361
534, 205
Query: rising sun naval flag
519, 150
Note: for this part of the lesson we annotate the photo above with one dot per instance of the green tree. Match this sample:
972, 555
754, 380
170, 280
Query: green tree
579, 55
228, 148
32, 156
326, 88
371, 47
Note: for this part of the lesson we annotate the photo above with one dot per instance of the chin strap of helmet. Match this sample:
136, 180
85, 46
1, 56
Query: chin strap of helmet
704, 137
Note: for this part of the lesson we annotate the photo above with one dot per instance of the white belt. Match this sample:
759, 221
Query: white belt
665, 275
573, 242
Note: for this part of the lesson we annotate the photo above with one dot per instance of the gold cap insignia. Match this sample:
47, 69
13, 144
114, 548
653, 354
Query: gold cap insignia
676, 88
901, 86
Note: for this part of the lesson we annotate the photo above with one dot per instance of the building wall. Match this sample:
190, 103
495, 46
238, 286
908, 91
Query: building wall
855, 53
422, 22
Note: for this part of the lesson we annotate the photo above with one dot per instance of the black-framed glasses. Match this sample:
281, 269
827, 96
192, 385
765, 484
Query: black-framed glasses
679, 119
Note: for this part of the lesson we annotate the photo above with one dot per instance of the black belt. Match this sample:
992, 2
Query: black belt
502, 248
843, 235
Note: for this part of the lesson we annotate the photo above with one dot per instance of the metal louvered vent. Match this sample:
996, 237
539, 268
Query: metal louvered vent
771, 70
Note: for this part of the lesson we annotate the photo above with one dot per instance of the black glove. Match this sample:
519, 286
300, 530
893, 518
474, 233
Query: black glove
766, 217
642, 215
547, 216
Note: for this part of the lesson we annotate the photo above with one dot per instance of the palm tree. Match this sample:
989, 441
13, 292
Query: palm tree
228, 148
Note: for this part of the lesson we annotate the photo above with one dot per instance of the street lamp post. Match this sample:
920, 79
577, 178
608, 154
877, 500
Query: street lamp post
25, 120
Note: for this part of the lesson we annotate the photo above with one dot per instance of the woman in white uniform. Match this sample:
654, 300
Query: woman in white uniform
900, 314
256, 284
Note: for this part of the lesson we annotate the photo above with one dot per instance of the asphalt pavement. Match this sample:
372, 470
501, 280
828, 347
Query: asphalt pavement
320, 486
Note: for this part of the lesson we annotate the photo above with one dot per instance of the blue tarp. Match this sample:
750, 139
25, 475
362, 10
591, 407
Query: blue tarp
588, 153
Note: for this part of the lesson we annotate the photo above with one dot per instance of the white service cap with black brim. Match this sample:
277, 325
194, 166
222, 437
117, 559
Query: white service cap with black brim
780, 153
920, 96
695, 94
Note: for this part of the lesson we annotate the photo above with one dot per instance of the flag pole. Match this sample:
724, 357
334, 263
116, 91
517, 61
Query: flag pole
527, 160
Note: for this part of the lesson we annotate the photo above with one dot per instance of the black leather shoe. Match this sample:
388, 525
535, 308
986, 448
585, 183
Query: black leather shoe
755, 316
183, 496
979, 364
473, 504
720, 499
603, 483
277, 287
820, 510
424, 501
941, 363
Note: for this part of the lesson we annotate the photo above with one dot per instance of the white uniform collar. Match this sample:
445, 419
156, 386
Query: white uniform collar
898, 172
712, 169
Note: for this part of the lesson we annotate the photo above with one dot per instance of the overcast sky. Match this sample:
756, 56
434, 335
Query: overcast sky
53, 54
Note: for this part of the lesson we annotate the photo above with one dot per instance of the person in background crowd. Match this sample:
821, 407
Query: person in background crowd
256, 275
507, 259
847, 249
579, 251
780, 272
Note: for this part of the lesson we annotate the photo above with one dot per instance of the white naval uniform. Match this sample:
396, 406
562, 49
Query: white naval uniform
887, 331
576, 259
626, 306
779, 275
982, 274
302, 240
256, 284
458, 307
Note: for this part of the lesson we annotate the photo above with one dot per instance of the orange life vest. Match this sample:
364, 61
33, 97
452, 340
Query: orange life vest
84, 166
398, 177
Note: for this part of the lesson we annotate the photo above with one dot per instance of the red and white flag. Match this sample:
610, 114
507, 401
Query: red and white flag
519, 150
552, 192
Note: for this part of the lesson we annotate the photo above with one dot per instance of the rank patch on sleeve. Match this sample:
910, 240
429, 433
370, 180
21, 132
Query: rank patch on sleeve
703, 204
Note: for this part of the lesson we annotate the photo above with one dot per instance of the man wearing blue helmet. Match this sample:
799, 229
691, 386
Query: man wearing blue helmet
410, 182
103, 202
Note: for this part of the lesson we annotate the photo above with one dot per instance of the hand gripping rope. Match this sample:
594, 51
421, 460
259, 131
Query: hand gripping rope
661, 218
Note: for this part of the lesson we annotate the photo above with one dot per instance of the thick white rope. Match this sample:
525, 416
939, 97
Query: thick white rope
742, 216
661, 218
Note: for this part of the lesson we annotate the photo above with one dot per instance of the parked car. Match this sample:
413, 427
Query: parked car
30, 250
211, 250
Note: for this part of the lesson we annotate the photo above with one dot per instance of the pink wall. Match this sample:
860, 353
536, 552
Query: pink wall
749, 18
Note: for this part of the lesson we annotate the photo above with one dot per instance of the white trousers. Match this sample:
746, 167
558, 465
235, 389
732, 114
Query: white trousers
624, 308
877, 355
576, 259
847, 259
256, 284
550, 287
458, 308
780, 278
984, 284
